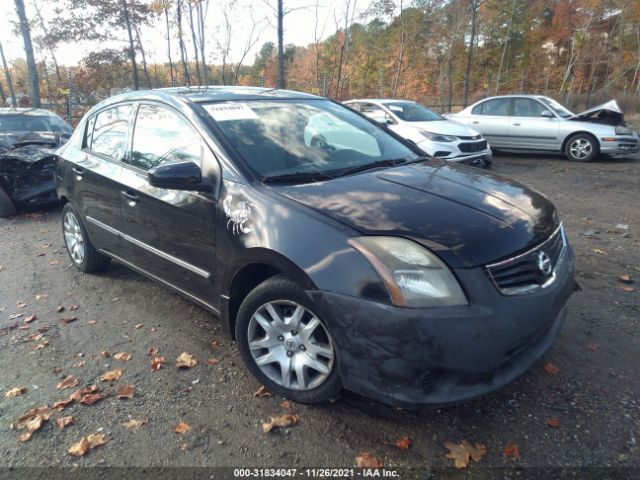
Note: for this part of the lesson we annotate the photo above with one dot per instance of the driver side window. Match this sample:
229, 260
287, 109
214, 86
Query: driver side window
161, 136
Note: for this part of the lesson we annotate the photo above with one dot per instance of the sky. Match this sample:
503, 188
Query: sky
299, 26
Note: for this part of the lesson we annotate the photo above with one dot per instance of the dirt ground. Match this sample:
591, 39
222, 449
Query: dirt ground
593, 400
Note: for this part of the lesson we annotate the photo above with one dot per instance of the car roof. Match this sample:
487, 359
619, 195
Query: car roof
216, 93
26, 111
381, 100
513, 95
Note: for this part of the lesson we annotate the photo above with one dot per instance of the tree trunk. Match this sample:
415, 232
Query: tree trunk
467, 69
195, 44
166, 17
144, 56
7, 76
281, 81
201, 30
402, 47
48, 41
132, 47
34, 86
183, 51
504, 47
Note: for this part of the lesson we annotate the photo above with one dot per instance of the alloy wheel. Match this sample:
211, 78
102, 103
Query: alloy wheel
580, 148
290, 345
73, 238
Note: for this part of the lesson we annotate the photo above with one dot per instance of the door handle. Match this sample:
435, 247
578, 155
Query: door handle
516, 124
132, 198
79, 173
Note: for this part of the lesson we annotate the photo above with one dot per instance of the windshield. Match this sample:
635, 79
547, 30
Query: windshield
556, 107
413, 112
288, 138
33, 123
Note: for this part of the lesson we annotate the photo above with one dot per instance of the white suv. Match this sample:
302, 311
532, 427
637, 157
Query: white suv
433, 133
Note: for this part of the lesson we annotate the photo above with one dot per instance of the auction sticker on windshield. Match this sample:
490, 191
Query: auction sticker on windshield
222, 112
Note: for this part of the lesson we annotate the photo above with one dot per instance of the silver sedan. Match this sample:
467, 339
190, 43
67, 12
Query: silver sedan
536, 122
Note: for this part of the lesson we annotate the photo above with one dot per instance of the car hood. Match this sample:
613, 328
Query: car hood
445, 127
466, 216
10, 140
610, 106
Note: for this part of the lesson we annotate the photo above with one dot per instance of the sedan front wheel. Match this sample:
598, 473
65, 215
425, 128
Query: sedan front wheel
285, 344
582, 148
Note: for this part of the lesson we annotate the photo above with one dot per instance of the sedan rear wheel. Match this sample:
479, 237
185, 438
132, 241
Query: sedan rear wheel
581, 148
81, 251
285, 344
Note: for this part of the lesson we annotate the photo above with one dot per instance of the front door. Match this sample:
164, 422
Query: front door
530, 129
169, 234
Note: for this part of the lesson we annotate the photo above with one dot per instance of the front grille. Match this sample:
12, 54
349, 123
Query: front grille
472, 147
523, 273
474, 137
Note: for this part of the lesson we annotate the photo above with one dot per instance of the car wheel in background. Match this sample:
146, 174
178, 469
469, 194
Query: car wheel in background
582, 147
81, 251
285, 344
7, 208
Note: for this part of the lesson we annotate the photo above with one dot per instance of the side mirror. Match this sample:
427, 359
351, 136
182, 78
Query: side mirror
178, 176
546, 114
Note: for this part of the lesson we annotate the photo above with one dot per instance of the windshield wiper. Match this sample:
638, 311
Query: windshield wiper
379, 164
297, 177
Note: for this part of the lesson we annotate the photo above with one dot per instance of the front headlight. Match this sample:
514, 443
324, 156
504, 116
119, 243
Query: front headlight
623, 130
436, 137
414, 276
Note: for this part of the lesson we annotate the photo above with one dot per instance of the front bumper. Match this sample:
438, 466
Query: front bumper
417, 357
451, 151
620, 145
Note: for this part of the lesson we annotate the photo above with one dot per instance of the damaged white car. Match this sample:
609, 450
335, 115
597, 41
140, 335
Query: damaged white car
536, 122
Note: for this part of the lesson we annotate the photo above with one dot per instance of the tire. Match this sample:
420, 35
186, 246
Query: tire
82, 253
7, 208
582, 147
305, 347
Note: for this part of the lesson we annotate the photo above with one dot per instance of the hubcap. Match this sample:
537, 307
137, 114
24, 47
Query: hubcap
290, 345
580, 148
73, 238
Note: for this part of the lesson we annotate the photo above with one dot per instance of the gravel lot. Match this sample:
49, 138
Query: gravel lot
594, 397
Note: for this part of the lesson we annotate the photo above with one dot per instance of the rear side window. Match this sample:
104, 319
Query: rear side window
497, 106
110, 132
161, 136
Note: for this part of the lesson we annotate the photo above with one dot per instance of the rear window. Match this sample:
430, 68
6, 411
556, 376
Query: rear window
110, 132
495, 107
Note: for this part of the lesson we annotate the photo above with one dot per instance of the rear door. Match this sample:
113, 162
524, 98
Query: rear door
492, 119
529, 128
169, 234
95, 173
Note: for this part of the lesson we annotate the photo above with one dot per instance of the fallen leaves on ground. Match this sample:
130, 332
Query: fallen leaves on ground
73, 307
156, 363
627, 289
84, 391
31, 421
54, 262
551, 369
122, 356
285, 420
80, 364
105, 354
152, 351
186, 360
135, 423
59, 309
262, 392
92, 398
112, 375
553, 422
512, 451
91, 322
213, 361
125, 391
16, 315
286, 404
366, 460
625, 278
62, 404
216, 344
182, 428
460, 453
138, 326
592, 347
68, 320
599, 251
65, 421
31, 318
404, 443
21, 304
80, 448
96, 440
42, 345
14, 392
67, 382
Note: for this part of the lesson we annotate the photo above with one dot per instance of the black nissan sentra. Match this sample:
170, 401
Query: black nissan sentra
353, 263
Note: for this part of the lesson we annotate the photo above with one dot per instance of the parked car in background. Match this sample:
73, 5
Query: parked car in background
360, 264
536, 122
430, 131
28, 138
